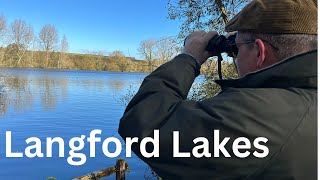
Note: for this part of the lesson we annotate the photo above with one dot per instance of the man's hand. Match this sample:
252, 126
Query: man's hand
196, 43
231, 33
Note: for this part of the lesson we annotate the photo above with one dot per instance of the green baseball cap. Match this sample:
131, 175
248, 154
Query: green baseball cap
277, 16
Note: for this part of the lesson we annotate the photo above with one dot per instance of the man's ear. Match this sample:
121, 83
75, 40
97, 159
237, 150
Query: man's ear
261, 53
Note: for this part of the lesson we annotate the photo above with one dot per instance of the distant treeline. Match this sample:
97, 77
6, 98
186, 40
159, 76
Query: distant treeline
21, 46
116, 61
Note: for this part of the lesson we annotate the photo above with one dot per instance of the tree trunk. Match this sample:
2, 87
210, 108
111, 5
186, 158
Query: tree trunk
47, 58
222, 9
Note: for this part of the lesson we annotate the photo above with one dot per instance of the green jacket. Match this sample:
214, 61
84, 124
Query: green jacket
278, 103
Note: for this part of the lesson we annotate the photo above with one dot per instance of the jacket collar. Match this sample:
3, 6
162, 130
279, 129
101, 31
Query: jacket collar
299, 71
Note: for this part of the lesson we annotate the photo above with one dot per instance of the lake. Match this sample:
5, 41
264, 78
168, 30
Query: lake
63, 103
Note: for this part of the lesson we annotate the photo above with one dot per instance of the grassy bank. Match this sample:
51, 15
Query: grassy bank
56, 60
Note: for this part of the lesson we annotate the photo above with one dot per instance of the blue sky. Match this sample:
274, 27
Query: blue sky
97, 24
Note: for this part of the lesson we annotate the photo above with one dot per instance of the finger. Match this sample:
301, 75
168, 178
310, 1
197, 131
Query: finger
209, 35
231, 33
202, 32
193, 35
197, 33
188, 37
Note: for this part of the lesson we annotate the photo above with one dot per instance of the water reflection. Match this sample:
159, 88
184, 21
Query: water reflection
18, 93
26, 88
3, 105
116, 85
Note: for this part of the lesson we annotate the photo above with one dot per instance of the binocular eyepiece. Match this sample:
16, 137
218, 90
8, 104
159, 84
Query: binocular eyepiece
222, 44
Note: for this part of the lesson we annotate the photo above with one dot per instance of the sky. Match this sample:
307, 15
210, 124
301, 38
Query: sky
97, 25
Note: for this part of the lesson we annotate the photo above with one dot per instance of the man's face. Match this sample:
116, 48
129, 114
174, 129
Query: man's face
246, 60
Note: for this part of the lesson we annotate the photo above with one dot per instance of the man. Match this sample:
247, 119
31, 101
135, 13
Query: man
275, 97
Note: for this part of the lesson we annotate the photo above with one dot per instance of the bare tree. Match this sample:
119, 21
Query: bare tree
166, 49
64, 44
147, 50
117, 53
49, 38
64, 49
21, 37
3, 27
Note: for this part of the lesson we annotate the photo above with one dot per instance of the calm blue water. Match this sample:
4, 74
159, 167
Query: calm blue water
66, 104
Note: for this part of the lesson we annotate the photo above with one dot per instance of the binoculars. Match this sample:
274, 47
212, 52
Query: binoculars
222, 44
